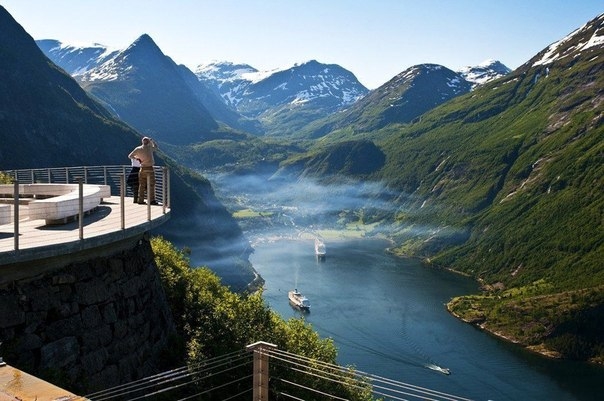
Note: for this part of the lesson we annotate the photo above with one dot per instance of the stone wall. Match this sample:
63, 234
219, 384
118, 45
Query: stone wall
88, 325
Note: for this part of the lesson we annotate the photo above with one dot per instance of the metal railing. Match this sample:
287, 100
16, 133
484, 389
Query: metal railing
99, 175
113, 176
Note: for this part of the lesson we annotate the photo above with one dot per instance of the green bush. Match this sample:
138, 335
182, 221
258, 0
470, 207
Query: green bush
212, 321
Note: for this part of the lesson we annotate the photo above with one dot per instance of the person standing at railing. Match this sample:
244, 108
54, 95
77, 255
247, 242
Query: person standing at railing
132, 180
144, 153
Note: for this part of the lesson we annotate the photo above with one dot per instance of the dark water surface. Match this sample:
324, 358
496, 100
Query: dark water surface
387, 318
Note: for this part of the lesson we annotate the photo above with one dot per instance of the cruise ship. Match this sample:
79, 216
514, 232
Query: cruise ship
320, 249
298, 300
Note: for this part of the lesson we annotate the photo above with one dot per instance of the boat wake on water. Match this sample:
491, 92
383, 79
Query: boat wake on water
444, 371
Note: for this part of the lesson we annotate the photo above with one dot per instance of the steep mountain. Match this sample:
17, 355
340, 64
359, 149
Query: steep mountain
401, 100
48, 120
145, 88
45, 116
284, 100
484, 72
506, 184
76, 60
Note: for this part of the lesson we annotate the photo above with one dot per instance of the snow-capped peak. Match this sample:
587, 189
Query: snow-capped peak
484, 72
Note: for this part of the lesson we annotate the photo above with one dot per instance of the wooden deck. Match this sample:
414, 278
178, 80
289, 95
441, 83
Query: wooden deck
16, 385
37, 240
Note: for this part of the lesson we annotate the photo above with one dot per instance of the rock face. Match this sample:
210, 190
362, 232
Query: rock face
88, 326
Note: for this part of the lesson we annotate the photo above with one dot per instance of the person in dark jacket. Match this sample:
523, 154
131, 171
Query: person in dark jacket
132, 180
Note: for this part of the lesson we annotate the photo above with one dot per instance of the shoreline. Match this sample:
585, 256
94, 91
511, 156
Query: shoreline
535, 349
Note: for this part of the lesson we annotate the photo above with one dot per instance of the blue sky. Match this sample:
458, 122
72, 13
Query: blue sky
375, 39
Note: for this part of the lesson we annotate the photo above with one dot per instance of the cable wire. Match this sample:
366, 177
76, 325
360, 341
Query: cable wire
313, 390
173, 376
422, 391
213, 388
162, 374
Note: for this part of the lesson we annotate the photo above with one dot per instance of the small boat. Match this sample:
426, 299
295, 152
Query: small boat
298, 300
444, 371
320, 250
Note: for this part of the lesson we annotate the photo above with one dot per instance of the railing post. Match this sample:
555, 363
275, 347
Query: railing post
122, 200
148, 197
260, 374
164, 172
168, 200
16, 214
81, 207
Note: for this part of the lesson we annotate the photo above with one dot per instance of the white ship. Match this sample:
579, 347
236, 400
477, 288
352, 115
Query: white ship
298, 300
320, 249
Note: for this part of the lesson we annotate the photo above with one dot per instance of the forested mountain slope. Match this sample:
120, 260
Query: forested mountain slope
512, 175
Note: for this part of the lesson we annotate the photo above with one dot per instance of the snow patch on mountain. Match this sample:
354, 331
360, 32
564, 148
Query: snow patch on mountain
239, 84
486, 71
565, 46
76, 58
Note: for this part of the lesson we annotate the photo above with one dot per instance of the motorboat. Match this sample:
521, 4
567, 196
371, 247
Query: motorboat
298, 300
444, 371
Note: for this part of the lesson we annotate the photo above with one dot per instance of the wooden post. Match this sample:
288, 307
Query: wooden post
260, 374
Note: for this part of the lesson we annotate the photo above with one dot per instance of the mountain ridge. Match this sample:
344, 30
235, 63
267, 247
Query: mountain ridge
281, 102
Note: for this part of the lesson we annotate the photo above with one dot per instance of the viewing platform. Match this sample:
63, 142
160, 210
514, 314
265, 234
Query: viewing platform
56, 230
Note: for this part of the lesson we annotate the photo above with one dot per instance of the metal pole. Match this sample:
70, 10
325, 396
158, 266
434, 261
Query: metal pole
16, 214
122, 202
81, 207
164, 185
168, 204
260, 374
148, 197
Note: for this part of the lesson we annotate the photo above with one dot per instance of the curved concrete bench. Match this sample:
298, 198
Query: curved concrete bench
6, 214
55, 203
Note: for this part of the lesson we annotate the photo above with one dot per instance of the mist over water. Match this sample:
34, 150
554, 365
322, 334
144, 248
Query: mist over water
385, 314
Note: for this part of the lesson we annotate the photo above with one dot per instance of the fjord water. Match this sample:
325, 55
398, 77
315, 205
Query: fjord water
387, 317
